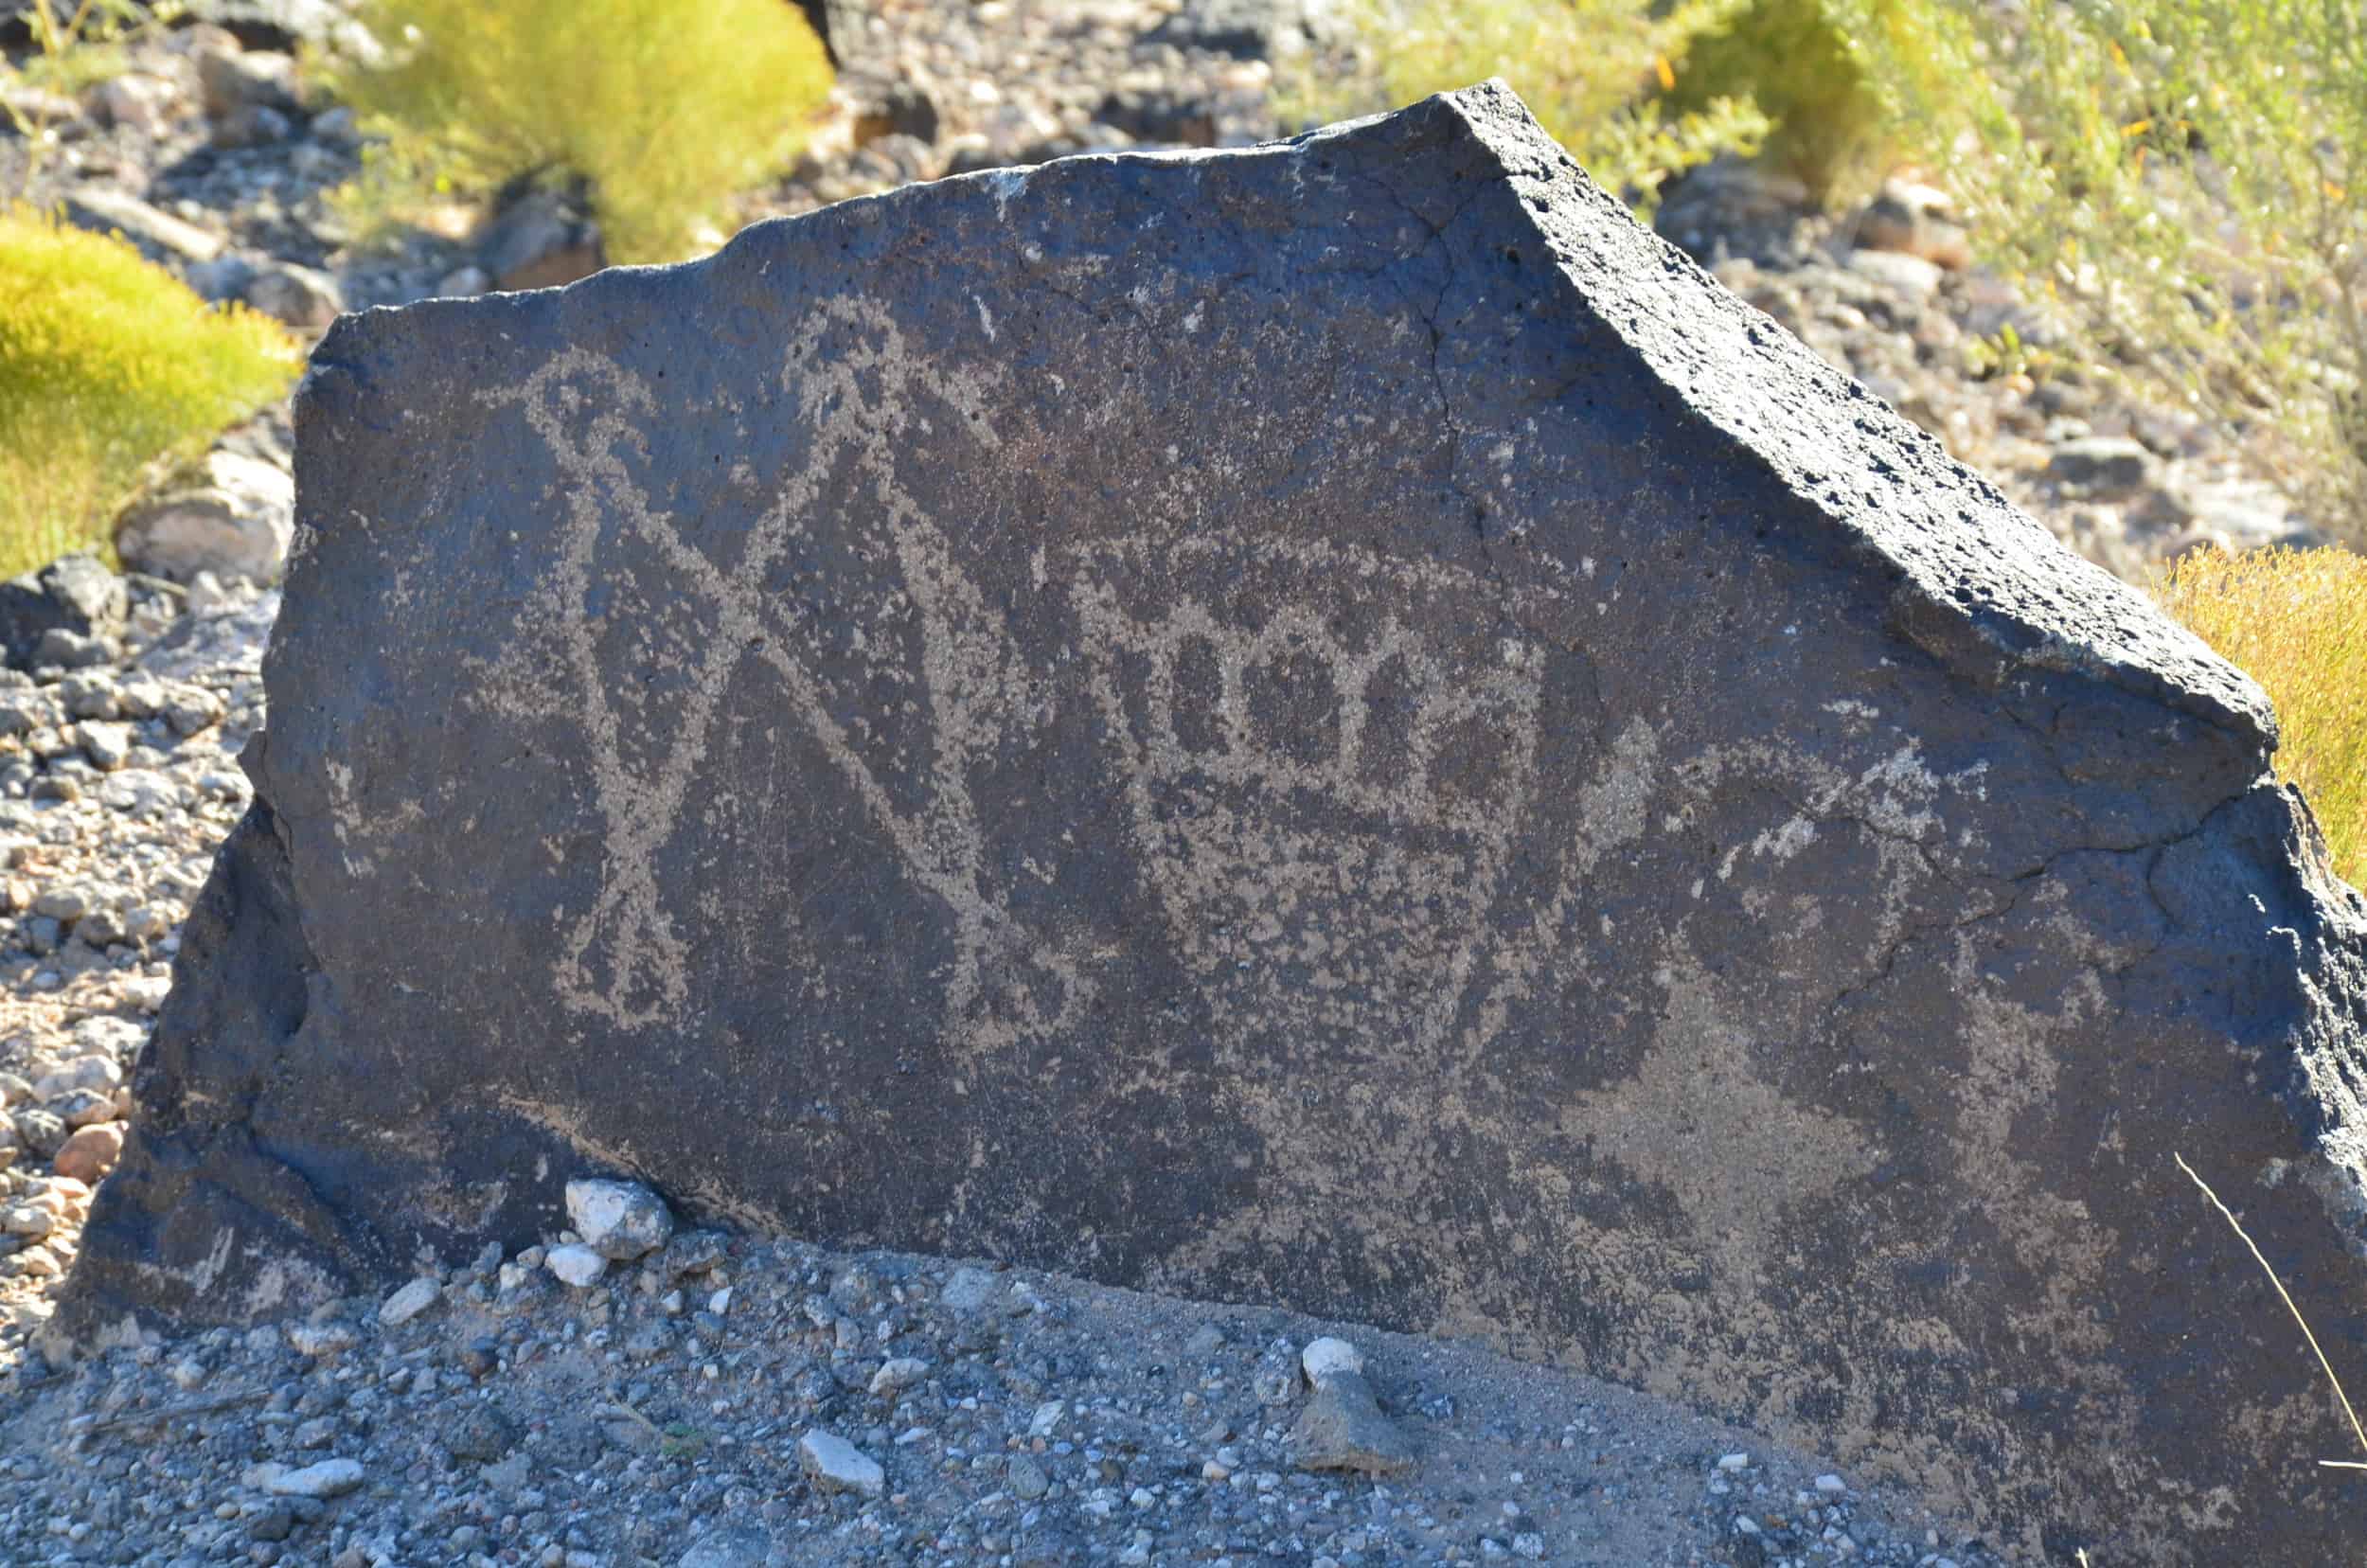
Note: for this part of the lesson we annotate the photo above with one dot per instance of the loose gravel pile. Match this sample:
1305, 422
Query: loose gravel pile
728, 1402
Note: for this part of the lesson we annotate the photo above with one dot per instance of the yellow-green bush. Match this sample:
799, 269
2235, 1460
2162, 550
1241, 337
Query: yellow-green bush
665, 108
2296, 621
1592, 71
107, 365
1831, 77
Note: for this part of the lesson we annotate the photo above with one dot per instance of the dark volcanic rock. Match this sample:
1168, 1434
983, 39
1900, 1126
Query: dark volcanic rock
1332, 725
72, 594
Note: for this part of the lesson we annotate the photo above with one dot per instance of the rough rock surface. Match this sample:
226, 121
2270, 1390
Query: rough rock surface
1333, 726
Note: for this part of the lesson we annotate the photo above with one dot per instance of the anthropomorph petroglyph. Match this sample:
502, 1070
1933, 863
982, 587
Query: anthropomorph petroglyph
622, 958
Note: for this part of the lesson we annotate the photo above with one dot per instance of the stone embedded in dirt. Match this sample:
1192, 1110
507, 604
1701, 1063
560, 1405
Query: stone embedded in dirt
409, 1301
730, 1546
137, 102
1276, 1379
303, 297
327, 1479
1342, 1428
320, 1339
232, 78
540, 241
837, 1465
576, 1264
1329, 1357
158, 235
234, 520
2105, 463
91, 1152
620, 1220
28, 1220
480, 1433
250, 125
897, 1373
1332, 725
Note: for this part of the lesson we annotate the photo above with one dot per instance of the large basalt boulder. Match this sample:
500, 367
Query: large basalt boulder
1332, 725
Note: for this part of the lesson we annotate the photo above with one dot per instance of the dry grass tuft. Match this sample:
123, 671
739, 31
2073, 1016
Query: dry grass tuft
2296, 621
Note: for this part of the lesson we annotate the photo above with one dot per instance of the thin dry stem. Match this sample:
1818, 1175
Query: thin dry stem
2357, 1431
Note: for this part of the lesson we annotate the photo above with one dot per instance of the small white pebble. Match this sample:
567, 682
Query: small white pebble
576, 1263
409, 1301
1326, 1356
899, 1374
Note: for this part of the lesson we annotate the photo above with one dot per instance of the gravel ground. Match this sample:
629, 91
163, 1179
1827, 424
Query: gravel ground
731, 1401
118, 780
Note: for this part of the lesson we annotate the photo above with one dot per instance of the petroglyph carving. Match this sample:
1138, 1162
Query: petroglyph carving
1325, 816
623, 959
1308, 724
1245, 717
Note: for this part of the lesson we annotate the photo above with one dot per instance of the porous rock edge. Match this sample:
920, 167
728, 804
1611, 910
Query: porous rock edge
2156, 1313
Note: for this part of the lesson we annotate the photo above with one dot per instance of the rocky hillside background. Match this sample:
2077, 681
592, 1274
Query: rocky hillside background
212, 153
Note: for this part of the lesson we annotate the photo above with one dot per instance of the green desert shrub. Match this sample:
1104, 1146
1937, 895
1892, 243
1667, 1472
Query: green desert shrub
2187, 180
1832, 78
664, 108
76, 42
1593, 72
2297, 621
108, 365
